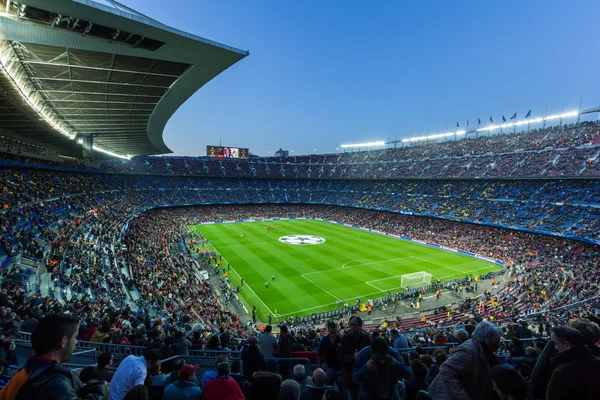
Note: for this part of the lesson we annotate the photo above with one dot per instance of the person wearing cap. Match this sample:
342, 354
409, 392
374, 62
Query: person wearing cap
223, 387
186, 387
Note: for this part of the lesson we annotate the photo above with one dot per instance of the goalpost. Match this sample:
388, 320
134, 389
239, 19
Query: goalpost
416, 280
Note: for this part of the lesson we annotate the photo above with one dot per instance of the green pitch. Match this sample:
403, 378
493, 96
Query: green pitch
309, 278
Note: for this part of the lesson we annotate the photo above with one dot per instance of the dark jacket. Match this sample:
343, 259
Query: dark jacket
346, 348
576, 375
253, 360
542, 371
462, 376
313, 392
55, 382
265, 386
181, 347
370, 382
284, 346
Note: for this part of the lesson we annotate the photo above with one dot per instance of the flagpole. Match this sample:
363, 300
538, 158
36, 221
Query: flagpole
545, 113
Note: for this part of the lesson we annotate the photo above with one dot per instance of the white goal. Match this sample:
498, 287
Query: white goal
416, 280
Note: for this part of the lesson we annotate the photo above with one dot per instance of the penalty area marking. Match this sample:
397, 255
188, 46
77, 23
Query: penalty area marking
248, 286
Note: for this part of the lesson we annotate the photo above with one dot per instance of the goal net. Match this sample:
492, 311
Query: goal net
416, 280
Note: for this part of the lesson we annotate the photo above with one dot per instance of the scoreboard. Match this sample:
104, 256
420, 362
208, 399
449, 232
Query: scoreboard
226, 152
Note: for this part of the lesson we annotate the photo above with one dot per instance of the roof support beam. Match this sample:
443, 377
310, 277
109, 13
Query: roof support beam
124, 71
96, 82
98, 93
97, 101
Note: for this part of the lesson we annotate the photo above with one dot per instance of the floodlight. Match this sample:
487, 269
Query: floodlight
368, 144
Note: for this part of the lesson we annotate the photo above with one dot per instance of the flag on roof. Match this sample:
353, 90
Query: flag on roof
491, 120
478, 121
528, 114
457, 125
514, 116
503, 119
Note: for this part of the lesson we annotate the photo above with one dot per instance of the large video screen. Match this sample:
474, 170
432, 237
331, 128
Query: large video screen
226, 152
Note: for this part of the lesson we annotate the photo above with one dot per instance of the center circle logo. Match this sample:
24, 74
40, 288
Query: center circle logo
301, 239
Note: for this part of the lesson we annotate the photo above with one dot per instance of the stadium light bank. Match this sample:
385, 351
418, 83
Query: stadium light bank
493, 127
358, 145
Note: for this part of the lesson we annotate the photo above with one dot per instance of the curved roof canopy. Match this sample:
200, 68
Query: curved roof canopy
74, 68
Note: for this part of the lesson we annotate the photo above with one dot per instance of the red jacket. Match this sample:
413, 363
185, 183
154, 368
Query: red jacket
222, 388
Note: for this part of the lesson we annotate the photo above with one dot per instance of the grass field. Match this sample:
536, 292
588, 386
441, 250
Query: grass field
351, 263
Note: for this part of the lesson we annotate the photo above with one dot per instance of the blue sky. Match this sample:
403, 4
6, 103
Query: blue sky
326, 72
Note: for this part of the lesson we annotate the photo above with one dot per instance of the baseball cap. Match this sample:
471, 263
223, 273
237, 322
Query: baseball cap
188, 370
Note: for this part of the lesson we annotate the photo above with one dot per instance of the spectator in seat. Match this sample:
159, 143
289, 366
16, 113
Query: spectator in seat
523, 332
208, 375
223, 387
242, 380
318, 388
290, 390
576, 371
105, 360
132, 372
174, 375
462, 376
252, 358
590, 331
417, 382
504, 383
265, 386
377, 370
300, 376
398, 340
185, 387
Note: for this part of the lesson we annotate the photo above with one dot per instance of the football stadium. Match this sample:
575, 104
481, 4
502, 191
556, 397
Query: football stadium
454, 263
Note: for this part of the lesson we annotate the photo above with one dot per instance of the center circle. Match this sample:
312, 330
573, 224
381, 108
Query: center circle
301, 239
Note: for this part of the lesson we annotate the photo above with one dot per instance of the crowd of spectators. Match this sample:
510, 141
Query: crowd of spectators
37, 199
557, 151
77, 238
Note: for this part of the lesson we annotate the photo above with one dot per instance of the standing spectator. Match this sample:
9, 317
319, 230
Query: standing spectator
185, 387
328, 356
523, 332
284, 350
132, 372
267, 342
463, 374
576, 369
181, 346
224, 338
290, 390
377, 370
252, 358
223, 387
318, 388
398, 340
352, 342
